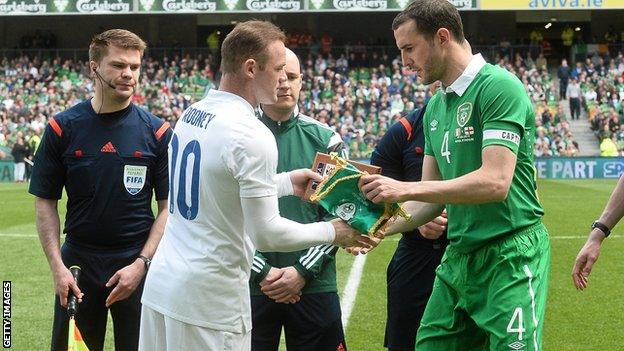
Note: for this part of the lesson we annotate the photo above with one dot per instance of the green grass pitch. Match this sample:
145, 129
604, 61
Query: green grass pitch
589, 320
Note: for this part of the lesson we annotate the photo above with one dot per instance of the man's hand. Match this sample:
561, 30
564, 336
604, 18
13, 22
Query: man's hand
127, 280
347, 236
435, 228
273, 275
586, 258
300, 178
378, 189
357, 250
63, 281
287, 288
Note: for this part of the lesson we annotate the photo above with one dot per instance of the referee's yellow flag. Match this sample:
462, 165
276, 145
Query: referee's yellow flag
75, 342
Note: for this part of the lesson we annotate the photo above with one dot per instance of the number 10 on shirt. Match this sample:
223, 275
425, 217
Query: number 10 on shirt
178, 179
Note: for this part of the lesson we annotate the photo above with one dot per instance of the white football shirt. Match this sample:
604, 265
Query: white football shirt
222, 163
219, 153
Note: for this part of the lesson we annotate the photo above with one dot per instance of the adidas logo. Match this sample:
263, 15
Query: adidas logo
108, 147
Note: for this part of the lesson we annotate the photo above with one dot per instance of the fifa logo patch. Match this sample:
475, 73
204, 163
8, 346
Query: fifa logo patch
346, 211
134, 178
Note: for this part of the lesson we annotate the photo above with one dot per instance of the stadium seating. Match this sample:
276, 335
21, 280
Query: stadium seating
358, 93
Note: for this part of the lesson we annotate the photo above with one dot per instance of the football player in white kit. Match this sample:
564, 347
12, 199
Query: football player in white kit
223, 193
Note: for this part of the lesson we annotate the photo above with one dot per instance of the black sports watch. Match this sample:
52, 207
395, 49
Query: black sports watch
145, 260
603, 228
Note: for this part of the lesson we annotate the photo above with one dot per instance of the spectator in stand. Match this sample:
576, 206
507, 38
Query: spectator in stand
563, 73
20, 152
541, 62
573, 93
608, 147
619, 140
577, 70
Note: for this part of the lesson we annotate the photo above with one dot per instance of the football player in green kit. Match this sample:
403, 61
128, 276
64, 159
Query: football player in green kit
490, 288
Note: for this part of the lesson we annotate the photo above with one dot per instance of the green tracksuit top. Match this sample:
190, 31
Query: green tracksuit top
298, 140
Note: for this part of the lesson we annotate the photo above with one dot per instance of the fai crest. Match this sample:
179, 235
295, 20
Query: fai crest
346, 211
464, 111
134, 178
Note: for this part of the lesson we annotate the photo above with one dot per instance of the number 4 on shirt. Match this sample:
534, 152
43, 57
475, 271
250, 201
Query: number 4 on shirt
445, 149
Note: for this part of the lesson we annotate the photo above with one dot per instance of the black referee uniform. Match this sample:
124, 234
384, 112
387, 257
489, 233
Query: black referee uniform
411, 271
110, 165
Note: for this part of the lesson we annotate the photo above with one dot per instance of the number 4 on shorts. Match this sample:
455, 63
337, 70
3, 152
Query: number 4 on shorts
517, 315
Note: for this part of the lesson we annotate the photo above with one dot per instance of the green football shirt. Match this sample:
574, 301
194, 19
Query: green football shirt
485, 106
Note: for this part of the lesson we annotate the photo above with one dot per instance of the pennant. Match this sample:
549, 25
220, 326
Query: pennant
339, 195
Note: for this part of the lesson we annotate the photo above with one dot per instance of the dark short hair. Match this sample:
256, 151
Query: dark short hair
431, 15
116, 37
249, 40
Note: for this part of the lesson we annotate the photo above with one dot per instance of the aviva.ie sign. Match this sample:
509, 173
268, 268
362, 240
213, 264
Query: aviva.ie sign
551, 4
580, 167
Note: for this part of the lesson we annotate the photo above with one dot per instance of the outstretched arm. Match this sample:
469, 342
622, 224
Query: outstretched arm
489, 183
611, 215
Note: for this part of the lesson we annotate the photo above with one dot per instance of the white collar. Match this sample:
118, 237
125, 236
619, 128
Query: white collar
460, 84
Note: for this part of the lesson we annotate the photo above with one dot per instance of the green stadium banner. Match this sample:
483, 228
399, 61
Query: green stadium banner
375, 5
99, 7
23, 7
579, 167
6, 171
551, 4
200, 6
64, 7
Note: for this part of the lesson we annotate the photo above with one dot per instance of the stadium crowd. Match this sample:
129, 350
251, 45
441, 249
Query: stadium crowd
601, 82
358, 92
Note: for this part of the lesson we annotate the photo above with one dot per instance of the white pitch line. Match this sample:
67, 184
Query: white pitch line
16, 235
351, 288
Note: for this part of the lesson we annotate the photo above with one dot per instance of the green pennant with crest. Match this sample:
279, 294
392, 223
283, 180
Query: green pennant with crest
339, 195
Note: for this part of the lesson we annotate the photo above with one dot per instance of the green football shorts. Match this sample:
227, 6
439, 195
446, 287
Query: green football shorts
491, 299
